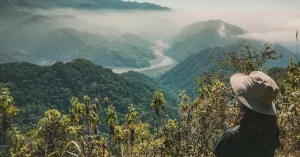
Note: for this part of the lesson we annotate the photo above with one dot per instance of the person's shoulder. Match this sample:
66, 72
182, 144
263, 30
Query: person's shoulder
228, 142
231, 132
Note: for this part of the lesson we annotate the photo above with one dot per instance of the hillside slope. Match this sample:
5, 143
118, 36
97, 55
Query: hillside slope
15, 16
45, 40
182, 75
38, 88
202, 35
170, 94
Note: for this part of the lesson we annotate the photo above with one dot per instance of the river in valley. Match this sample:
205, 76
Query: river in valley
157, 66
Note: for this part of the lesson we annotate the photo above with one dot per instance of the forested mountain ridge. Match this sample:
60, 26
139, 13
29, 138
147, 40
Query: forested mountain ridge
170, 93
36, 88
202, 35
83, 4
183, 74
16, 3
45, 39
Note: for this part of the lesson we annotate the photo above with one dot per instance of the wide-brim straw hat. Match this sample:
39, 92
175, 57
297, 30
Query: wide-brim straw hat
256, 91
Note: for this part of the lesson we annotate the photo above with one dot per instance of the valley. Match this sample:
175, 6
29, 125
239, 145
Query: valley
157, 66
118, 78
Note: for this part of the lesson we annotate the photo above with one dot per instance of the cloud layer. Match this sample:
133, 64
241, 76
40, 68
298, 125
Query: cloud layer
271, 26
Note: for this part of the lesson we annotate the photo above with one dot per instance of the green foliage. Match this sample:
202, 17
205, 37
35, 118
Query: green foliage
182, 76
38, 88
111, 119
158, 102
76, 111
58, 135
131, 120
6, 102
7, 111
132, 117
248, 60
288, 104
194, 133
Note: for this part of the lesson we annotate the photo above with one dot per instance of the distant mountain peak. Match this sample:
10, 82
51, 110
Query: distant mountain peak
42, 19
211, 21
83, 4
39, 17
83, 61
201, 35
16, 3
216, 25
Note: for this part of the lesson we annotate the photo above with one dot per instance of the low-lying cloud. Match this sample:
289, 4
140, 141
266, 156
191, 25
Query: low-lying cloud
222, 31
271, 26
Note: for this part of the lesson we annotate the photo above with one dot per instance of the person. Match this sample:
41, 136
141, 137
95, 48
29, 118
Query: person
257, 134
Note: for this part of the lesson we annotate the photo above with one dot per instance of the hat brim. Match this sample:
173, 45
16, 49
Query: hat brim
260, 107
236, 82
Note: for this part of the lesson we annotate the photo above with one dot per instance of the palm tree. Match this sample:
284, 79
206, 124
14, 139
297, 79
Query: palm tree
157, 104
111, 119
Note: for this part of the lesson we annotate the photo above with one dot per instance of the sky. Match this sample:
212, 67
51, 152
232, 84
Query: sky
257, 5
269, 20
274, 21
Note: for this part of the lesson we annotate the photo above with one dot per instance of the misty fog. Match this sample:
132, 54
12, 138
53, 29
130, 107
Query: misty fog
270, 26
275, 26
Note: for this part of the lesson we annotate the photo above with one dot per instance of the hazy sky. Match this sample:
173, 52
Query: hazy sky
228, 4
271, 20
268, 20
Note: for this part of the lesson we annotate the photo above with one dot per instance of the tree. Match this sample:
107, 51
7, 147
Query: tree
131, 121
288, 105
194, 133
7, 107
7, 110
247, 60
111, 119
158, 102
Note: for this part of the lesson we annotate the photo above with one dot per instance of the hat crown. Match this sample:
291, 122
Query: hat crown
256, 91
260, 86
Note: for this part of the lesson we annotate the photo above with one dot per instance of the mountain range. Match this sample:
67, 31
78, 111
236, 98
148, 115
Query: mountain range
202, 35
194, 44
55, 42
81, 4
183, 74
45, 39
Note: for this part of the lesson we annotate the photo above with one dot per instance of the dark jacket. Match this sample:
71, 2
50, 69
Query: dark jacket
234, 143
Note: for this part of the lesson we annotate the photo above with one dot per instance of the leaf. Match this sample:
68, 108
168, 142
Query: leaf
72, 153
53, 153
77, 147
12, 110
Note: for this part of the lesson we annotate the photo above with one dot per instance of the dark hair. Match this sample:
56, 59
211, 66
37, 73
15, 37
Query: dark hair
260, 129
257, 120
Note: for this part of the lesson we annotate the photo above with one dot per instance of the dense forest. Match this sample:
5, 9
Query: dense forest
75, 129
37, 88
